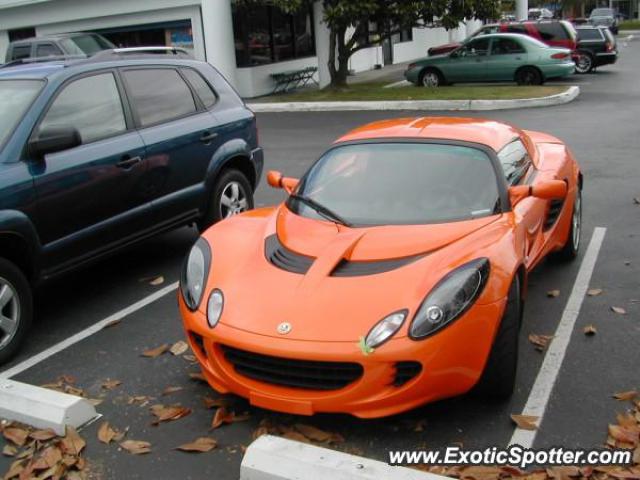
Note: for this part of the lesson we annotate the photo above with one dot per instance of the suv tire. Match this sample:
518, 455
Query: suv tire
16, 308
231, 194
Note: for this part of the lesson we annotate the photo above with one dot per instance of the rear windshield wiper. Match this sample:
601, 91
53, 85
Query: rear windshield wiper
321, 209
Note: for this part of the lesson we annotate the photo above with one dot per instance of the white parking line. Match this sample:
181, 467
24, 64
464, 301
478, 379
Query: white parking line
87, 332
541, 390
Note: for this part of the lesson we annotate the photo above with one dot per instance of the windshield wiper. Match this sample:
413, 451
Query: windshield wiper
321, 209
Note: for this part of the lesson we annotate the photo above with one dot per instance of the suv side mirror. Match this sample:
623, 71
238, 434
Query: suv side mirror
548, 190
277, 180
54, 139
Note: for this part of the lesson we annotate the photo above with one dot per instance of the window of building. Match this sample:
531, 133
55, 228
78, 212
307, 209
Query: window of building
47, 50
406, 35
265, 34
515, 162
202, 88
21, 33
91, 105
159, 95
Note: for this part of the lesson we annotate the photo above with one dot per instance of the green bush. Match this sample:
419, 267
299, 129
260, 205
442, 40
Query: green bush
630, 25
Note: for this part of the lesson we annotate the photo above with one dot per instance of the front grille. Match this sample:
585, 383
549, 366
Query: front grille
285, 259
405, 371
310, 375
360, 268
555, 207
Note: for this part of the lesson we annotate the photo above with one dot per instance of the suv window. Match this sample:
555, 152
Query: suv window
159, 95
515, 161
589, 34
20, 51
91, 105
47, 50
551, 31
200, 85
506, 46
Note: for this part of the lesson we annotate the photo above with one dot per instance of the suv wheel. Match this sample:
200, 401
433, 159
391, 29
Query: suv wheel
16, 308
232, 194
584, 62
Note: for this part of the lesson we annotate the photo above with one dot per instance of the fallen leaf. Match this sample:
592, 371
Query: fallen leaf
9, 450
636, 455
136, 447
179, 347
215, 402
15, 469
626, 420
624, 434
190, 358
16, 435
624, 396
111, 384
49, 458
297, 436
157, 281
197, 376
525, 422
540, 341
166, 414
419, 426
105, 433
202, 444
43, 435
170, 390
619, 310
67, 379
72, 443
156, 352
112, 323
590, 330
480, 473
594, 292
74, 391
221, 417
553, 293
317, 435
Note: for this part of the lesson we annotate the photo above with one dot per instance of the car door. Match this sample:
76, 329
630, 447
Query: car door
181, 136
89, 196
468, 63
505, 57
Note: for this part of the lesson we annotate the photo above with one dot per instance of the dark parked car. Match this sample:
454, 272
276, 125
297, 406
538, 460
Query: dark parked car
62, 45
555, 33
596, 47
100, 153
605, 17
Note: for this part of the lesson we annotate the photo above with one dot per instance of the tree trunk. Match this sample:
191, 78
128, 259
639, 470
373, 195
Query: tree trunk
338, 74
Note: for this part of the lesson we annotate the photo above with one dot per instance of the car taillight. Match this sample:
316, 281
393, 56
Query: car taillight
560, 55
609, 47
411, 65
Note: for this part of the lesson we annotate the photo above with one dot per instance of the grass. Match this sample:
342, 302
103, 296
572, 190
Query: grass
630, 25
375, 91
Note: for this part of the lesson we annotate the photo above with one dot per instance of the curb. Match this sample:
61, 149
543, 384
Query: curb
276, 458
455, 105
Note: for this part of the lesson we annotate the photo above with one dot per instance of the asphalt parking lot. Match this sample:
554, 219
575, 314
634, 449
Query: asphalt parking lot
601, 127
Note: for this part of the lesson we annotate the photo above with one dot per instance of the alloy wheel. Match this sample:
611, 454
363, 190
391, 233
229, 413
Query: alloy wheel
233, 200
583, 63
430, 79
9, 312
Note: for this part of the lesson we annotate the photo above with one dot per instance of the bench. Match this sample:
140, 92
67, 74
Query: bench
292, 79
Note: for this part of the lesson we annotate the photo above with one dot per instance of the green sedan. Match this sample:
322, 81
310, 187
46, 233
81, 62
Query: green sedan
498, 57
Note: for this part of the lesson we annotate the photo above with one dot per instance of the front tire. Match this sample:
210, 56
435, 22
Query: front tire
529, 76
570, 249
431, 78
232, 194
498, 379
16, 309
584, 62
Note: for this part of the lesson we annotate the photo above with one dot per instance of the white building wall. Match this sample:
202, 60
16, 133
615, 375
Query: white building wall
4, 43
423, 39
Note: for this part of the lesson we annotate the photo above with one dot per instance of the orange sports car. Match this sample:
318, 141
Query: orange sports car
393, 275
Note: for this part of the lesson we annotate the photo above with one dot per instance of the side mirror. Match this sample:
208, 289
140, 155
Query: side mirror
548, 190
54, 139
277, 180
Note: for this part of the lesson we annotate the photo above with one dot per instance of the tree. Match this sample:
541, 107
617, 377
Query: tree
349, 22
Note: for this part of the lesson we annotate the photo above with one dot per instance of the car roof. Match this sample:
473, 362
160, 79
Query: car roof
491, 133
52, 36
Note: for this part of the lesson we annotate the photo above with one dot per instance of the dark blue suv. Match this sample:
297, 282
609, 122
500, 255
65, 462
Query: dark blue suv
100, 153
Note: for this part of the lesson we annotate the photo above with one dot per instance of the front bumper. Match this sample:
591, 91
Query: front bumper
452, 362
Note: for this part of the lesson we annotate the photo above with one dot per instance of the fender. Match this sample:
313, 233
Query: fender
235, 147
15, 226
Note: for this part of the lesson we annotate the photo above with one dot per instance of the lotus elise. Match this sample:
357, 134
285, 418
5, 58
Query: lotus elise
393, 275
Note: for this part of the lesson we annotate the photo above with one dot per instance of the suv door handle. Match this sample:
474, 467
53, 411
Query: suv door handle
127, 162
207, 137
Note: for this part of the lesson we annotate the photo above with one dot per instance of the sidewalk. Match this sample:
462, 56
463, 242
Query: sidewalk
388, 73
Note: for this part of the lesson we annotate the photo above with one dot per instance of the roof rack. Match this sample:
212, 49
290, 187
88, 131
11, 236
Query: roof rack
120, 52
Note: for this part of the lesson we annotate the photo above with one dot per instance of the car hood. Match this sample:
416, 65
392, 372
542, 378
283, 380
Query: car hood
320, 304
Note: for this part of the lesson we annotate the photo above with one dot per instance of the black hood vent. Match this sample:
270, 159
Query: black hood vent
285, 259
347, 268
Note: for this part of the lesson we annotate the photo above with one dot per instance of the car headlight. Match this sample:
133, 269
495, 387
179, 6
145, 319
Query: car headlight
450, 298
385, 329
214, 307
194, 273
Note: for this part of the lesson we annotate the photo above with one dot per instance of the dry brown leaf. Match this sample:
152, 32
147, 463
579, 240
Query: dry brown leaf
480, 473
105, 433
624, 396
179, 348
157, 281
315, 434
112, 323
156, 352
170, 390
624, 434
111, 384
74, 391
72, 443
619, 310
626, 420
15, 469
553, 293
540, 341
636, 455
202, 444
43, 435
9, 450
136, 447
594, 292
190, 358
166, 414
221, 417
525, 422
297, 436
215, 402
590, 330
50, 457
16, 435
197, 376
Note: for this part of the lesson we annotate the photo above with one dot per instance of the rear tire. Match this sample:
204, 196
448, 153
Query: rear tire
498, 379
16, 309
431, 78
571, 248
584, 63
529, 76
231, 194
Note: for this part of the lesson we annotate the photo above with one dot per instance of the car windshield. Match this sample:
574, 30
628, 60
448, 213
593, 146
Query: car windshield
86, 44
602, 12
15, 98
399, 183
